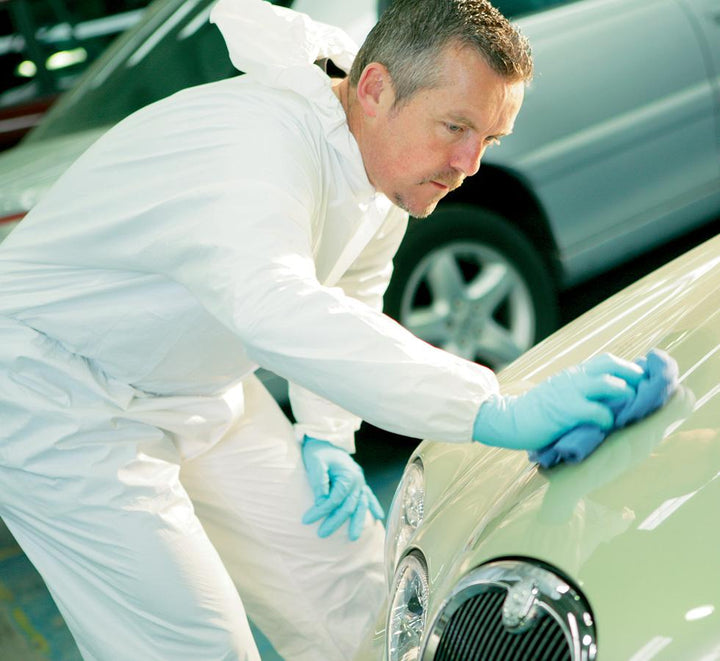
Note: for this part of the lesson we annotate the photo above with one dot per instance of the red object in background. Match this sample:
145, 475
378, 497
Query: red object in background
12, 218
17, 120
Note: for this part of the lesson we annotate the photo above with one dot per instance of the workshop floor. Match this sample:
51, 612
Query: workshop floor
32, 629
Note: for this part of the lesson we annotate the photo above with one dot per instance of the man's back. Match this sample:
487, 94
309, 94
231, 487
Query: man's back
111, 236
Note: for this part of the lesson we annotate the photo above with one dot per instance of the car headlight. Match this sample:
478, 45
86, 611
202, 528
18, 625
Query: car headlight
408, 610
406, 514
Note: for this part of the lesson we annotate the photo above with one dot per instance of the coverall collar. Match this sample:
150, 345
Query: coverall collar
279, 47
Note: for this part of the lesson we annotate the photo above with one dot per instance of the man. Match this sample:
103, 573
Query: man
151, 479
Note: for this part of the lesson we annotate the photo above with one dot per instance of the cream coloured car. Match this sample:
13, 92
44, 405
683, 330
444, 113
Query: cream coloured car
490, 558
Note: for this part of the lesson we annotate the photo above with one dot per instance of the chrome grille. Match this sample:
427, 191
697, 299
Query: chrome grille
512, 610
476, 633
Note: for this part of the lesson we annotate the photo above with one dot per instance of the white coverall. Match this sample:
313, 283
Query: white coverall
145, 471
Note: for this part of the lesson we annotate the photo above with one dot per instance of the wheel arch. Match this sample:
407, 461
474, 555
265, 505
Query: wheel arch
508, 194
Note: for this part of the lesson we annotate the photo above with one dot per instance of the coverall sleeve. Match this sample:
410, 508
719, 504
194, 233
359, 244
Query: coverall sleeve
366, 280
234, 218
318, 337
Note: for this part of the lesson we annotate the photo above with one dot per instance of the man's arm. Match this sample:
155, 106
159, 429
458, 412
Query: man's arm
366, 280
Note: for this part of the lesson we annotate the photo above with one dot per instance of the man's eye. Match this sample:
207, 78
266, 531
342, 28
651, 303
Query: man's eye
454, 128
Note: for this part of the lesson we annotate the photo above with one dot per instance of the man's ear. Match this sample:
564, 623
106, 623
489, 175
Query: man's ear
374, 89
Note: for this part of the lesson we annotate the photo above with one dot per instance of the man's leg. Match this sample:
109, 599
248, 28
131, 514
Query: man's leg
313, 598
128, 564
95, 502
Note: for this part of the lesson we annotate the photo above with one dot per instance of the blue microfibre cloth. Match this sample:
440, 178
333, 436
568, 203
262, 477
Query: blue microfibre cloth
657, 385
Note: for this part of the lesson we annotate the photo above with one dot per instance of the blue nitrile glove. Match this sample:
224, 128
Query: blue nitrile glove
577, 395
658, 384
338, 484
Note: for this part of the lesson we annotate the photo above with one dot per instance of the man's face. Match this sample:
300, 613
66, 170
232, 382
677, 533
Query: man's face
418, 152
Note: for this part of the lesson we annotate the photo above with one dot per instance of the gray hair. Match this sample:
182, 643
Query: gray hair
411, 35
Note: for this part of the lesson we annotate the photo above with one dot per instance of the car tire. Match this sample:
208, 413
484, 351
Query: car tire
468, 281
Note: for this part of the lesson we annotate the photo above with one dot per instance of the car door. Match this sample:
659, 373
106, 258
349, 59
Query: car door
617, 136
705, 16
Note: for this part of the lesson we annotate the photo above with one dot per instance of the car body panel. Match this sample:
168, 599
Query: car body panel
595, 171
705, 17
633, 525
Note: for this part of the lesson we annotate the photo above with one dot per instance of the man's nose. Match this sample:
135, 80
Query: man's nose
467, 157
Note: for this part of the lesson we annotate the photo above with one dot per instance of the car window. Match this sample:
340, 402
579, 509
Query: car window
45, 46
173, 47
516, 8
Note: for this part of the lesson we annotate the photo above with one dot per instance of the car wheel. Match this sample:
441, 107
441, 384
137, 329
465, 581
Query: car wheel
468, 281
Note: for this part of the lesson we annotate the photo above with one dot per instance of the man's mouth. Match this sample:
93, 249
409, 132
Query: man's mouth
446, 181
440, 186
446, 186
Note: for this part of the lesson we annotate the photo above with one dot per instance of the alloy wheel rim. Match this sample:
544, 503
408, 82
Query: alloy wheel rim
470, 300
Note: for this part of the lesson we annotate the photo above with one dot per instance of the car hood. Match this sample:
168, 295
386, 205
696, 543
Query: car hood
28, 170
636, 518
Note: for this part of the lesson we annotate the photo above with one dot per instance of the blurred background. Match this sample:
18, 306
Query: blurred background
613, 170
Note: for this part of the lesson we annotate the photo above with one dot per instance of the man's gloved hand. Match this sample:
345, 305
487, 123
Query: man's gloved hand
578, 395
338, 484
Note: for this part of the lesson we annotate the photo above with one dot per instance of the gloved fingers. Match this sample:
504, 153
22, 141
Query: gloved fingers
339, 515
642, 363
367, 501
376, 508
314, 453
341, 488
606, 363
318, 476
357, 518
315, 513
606, 386
593, 413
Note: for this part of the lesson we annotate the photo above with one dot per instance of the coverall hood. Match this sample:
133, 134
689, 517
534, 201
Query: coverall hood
279, 48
